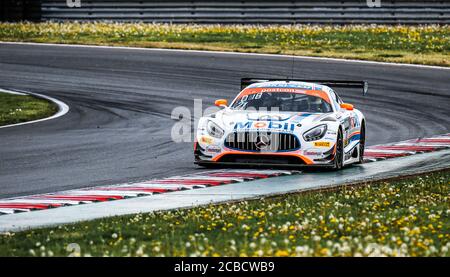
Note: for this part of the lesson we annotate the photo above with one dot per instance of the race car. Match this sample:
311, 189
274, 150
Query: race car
283, 123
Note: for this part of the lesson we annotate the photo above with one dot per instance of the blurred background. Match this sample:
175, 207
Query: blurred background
231, 11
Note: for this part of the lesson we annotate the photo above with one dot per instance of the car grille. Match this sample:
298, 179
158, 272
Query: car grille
262, 141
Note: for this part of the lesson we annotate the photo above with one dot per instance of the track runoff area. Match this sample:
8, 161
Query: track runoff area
200, 180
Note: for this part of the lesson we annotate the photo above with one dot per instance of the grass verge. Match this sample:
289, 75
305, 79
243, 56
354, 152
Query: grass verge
406, 217
429, 44
22, 108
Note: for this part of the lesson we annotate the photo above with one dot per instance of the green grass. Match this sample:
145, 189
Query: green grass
408, 217
22, 108
428, 44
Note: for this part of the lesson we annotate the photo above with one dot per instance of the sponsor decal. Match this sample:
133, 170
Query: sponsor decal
305, 114
282, 85
354, 137
241, 125
289, 127
293, 90
312, 153
206, 139
252, 91
353, 122
356, 120
322, 144
213, 149
260, 124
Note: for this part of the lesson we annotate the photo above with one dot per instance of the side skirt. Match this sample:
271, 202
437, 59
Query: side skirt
348, 155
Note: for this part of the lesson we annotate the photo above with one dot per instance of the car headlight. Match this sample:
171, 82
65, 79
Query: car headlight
214, 130
315, 133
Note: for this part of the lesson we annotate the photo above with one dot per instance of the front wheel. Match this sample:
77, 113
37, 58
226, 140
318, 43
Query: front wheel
339, 155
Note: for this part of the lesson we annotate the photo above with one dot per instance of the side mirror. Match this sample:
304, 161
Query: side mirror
221, 103
348, 107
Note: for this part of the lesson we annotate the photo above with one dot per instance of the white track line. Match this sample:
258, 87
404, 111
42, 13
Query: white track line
387, 151
12, 210
230, 53
164, 186
99, 192
6, 211
205, 178
62, 109
12, 92
426, 144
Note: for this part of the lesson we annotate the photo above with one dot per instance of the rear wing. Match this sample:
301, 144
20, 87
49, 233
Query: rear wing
363, 85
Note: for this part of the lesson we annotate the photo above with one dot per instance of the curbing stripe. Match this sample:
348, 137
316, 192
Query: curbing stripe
385, 151
440, 145
191, 182
435, 140
386, 155
28, 206
136, 189
165, 186
206, 178
201, 179
95, 192
239, 175
44, 201
413, 148
93, 198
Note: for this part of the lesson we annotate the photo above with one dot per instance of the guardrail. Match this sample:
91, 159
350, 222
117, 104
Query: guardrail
248, 12
15, 10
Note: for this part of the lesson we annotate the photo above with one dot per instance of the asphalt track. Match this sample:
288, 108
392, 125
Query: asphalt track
118, 127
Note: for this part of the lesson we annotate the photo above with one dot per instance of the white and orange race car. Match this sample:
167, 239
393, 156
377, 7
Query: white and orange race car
283, 122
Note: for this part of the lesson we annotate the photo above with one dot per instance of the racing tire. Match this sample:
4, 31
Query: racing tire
338, 162
362, 143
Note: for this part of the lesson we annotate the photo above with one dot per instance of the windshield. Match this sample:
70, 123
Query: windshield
284, 101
